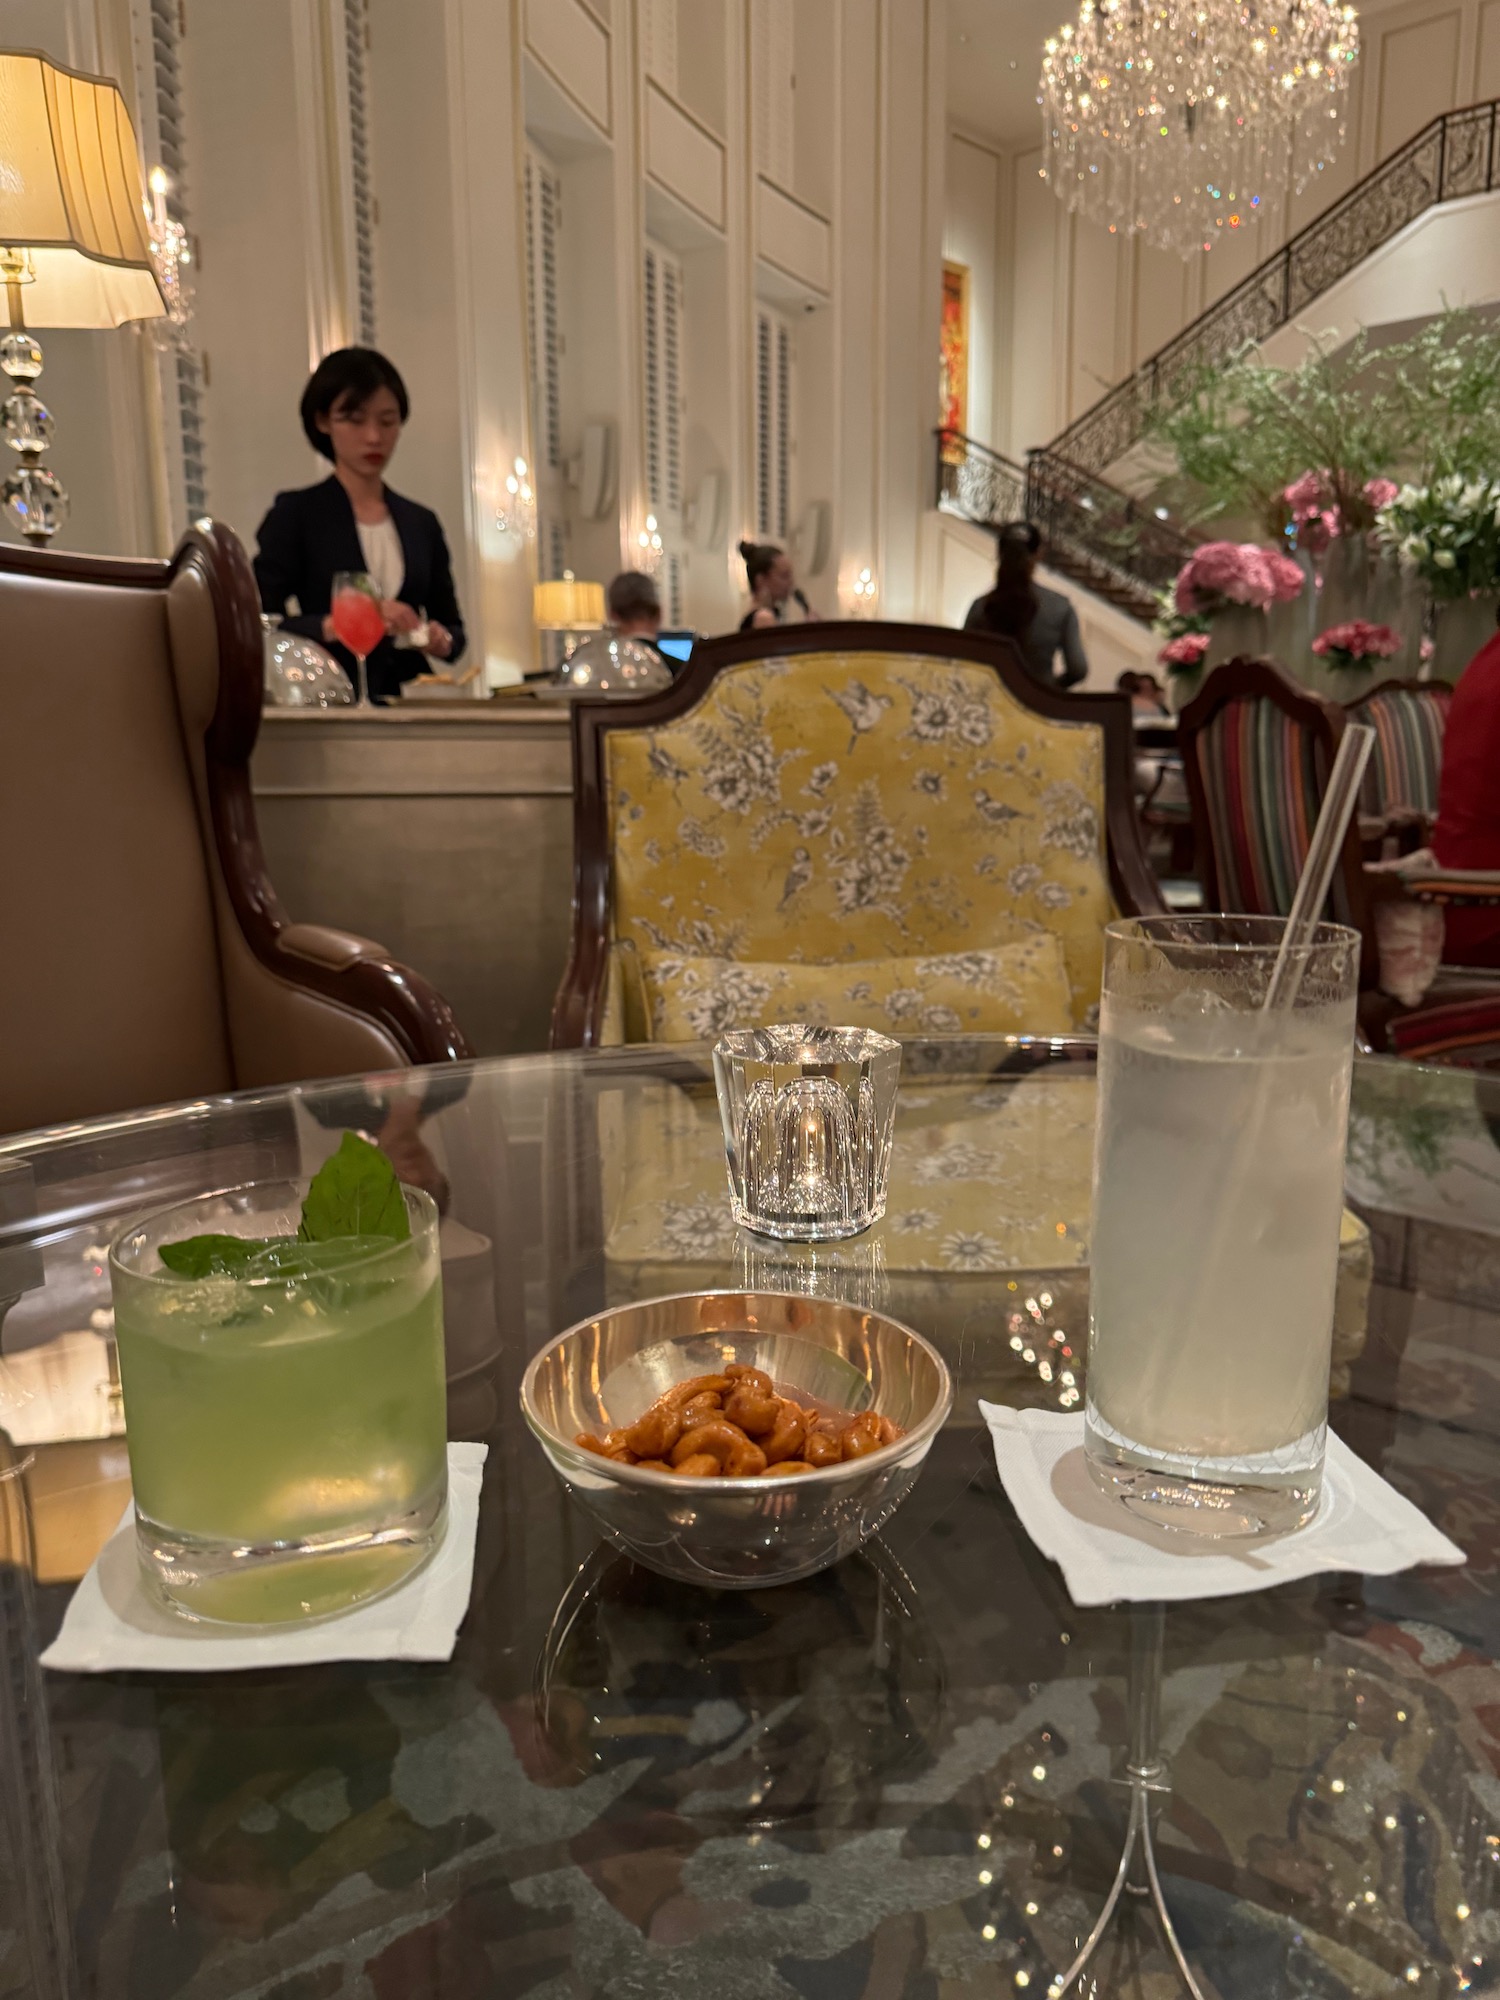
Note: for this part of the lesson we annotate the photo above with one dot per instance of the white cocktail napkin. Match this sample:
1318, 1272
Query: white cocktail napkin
111, 1626
1108, 1555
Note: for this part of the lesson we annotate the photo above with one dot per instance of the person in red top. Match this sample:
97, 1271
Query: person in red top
1467, 834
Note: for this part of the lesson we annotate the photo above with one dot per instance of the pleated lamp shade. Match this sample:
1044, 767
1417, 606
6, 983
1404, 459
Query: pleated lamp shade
565, 605
71, 198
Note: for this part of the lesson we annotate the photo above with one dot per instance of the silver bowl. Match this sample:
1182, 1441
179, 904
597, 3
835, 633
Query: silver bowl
737, 1534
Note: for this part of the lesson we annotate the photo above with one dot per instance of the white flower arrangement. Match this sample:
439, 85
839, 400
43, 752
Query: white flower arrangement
1449, 532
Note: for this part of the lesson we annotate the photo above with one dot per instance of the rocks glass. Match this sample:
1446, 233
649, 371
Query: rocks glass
808, 1115
1218, 1194
287, 1427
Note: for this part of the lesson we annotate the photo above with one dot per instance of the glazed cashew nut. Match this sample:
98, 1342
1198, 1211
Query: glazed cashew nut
730, 1449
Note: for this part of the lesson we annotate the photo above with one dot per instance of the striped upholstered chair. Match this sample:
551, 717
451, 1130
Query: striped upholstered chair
1257, 749
1400, 790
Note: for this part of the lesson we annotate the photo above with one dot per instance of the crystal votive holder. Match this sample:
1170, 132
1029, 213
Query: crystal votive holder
808, 1115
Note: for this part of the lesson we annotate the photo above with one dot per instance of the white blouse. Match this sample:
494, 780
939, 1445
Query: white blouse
381, 547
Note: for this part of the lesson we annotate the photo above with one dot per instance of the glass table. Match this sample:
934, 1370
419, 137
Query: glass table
900, 1779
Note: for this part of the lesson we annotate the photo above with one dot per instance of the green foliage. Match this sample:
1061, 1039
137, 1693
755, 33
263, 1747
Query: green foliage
213, 1256
356, 1193
1241, 432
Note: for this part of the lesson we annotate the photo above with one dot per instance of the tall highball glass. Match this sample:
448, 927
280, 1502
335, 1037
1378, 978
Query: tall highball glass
1218, 1194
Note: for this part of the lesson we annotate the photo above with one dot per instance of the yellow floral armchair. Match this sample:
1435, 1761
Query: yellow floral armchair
882, 824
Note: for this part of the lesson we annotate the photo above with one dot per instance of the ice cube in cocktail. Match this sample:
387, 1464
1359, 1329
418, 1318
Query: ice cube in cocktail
287, 1426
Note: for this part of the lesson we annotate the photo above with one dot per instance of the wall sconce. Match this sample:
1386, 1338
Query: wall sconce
171, 253
515, 511
650, 553
865, 592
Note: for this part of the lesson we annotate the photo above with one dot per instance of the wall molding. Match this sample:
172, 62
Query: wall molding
570, 42
683, 156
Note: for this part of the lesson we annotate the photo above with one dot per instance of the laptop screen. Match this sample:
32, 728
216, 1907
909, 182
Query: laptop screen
676, 645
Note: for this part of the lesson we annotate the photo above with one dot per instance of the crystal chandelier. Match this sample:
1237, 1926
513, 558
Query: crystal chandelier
1185, 120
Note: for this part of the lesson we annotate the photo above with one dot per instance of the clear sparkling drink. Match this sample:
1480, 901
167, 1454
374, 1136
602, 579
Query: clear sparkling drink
1218, 1192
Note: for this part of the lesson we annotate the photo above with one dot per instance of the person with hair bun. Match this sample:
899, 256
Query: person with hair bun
353, 409
1041, 622
768, 570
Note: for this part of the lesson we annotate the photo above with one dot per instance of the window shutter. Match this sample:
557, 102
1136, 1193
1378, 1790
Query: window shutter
542, 219
783, 445
773, 426
651, 299
156, 32
671, 384
662, 294
764, 420
361, 166
543, 194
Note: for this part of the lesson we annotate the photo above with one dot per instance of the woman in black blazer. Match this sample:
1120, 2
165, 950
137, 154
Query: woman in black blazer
352, 411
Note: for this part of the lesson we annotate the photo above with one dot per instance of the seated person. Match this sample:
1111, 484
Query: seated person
353, 411
625, 659
1467, 833
1147, 702
1041, 622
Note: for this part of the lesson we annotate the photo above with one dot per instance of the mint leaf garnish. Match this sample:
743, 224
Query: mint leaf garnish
215, 1256
356, 1193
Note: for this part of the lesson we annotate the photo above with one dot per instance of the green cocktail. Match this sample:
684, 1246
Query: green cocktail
285, 1410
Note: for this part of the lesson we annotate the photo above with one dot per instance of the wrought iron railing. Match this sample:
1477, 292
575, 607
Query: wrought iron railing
1103, 538
978, 483
1101, 535
1455, 156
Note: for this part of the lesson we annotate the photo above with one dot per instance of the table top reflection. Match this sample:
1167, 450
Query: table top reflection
899, 1778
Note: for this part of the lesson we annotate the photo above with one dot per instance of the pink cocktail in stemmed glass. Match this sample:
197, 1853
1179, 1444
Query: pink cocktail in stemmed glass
358, 621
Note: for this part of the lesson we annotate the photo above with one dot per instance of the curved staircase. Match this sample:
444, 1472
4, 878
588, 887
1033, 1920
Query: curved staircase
1110, 541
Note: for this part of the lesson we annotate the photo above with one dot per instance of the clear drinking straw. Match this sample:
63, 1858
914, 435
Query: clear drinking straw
1306, 912
1281, 992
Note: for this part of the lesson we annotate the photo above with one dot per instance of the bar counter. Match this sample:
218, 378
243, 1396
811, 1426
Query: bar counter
442, 829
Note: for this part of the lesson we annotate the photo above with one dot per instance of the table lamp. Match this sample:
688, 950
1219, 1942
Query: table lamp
563, 604
74, 250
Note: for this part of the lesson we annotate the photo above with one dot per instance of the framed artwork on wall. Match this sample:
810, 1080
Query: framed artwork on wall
955, 358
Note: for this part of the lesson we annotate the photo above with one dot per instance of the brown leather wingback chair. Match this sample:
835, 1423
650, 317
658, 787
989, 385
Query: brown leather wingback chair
145, 956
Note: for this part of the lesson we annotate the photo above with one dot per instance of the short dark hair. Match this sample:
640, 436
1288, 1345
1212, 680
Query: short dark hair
632, 595
351, 376
1020, 535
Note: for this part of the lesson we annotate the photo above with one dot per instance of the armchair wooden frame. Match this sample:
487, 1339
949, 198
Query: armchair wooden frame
1262, 680
334, 967
579, 1006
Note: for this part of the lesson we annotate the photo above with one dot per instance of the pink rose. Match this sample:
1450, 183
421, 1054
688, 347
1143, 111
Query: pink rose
1356, 643
1285, 577
1311, 494
1380, 492
1184, 653
1315, 531
1232, 572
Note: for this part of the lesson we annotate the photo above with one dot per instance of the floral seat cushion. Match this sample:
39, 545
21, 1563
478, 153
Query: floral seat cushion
1016, 989
853, 807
